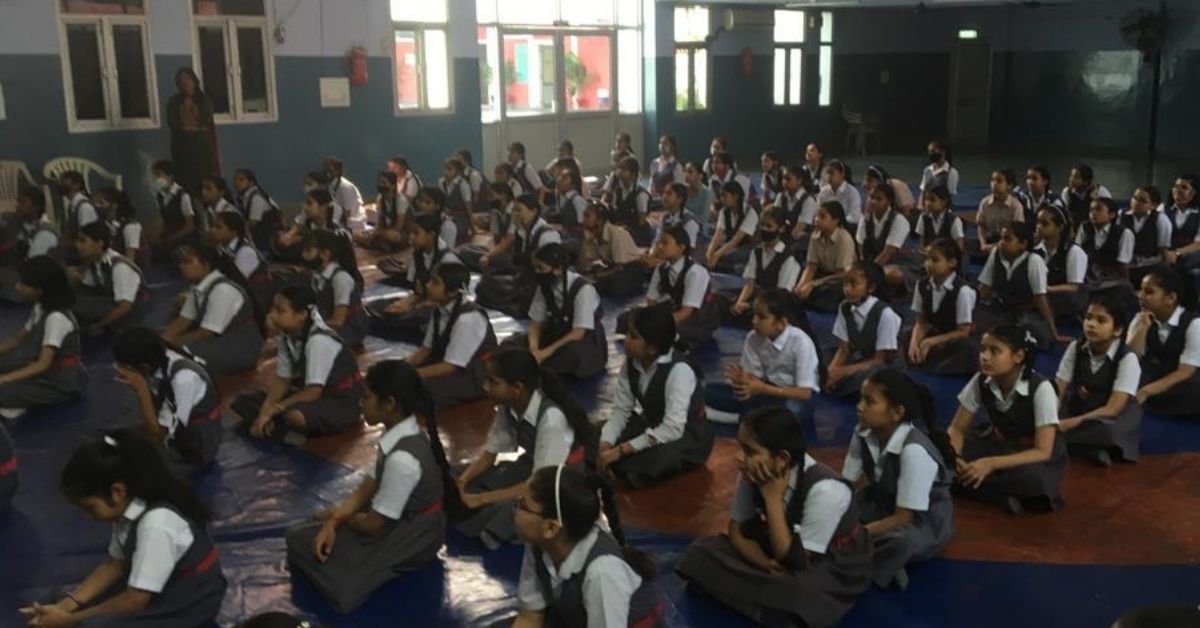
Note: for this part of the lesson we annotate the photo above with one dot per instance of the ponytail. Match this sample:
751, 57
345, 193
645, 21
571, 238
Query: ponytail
1018, 338
209, 254
516, 365
919, 409
341, 251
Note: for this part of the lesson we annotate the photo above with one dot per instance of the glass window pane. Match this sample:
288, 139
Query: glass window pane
789, 27
683, 100
489, 74
629, 12
418, 10
485, 11
83, 50
826, 27
132, 91
408, 88
102, 7
437, 70
780, 78
691, 24
795, 82
252, 64
588, 12
629, 70
529, 74
214, 66
528, 11
588, 68
700, 70
229, 7
825, 96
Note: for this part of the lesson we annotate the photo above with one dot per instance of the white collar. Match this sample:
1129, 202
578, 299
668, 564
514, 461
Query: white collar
935, 169
1086, 347
1013, 264
881, 219
329, 270
780, 341
947, 284
662, 359
403, 429
779, 247
135, 509
1176, 316
1020, 388
865, 307
76, 198
895, 444
530, 415
576, 560
1105, 229
677, 265
209, 280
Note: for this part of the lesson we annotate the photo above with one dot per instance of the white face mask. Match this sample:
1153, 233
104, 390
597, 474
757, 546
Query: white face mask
309, 187
160, 184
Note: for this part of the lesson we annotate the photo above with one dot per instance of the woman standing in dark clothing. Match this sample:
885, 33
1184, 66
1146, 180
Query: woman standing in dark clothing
193, 133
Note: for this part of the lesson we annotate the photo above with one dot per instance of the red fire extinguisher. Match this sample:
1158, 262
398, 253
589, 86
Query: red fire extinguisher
356, 66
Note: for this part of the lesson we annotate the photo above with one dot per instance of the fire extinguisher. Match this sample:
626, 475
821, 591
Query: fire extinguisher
356, 66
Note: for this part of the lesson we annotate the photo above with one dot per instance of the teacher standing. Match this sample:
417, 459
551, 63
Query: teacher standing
193, 133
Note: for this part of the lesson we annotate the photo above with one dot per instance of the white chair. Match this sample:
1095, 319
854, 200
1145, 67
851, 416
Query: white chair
57, 166
858, 128
11, 175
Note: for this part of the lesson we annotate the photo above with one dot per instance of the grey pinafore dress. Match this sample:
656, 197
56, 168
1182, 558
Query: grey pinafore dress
195, 444
355, 329
93, 303
1012, 303
700, 326
359, 565
1089, 390
237, 348
403, 327
959, 357
1160, 359
929, 531
464, 384
580, 359
816, 589
66, 380
567, 608
862, 342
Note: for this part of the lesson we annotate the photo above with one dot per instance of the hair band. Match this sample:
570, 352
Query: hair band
558, 494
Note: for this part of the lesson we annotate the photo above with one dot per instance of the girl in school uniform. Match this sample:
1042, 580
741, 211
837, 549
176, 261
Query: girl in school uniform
1015, 457
407, 181
110, 290
902, 467
525, 173
719, 144
666, 169
219, 322
316, 180
609, 256
575, 571
504, 174
883, 235
479, 183
1110, 248
794, 552
318, 215
175, 207
229, 234
317, 385
724, 171
1184, 214
779, 363
566, 335
867, 330
535, 412
499, 225
505, 284
40, 363
996, 211
457, 191
1166, 336
395, 520
737, 224
700, 197
1038, 193
876, 176
1012, 288
798, 200
1081, 190
78, 208
457, 341
681, 286
568, 200
337, 284
121, 218
814, 163
831, 251
1066, 264
838, 188
1151, 231
398, 318
176, 401
388, 234
937, 220
35, 235
343, 190
944, 304
771, 183
431, 200
257, 208
215, 198
771, 265
1098, 377
656, 429
9, 473
940, 170
631, 203
162, 569
675, 213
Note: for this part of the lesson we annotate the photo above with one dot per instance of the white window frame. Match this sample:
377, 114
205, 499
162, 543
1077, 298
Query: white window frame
788, 47
233, 67
422, 108
825, 47
112, 98
691, 49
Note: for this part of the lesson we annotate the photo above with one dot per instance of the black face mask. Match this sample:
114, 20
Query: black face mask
935, 157
545, 281
769, 236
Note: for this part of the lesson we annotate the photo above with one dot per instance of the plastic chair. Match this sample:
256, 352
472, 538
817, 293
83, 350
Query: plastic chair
11, 175
86, 167
858, 128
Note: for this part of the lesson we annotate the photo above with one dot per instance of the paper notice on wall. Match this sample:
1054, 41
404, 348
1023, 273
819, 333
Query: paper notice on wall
335, 92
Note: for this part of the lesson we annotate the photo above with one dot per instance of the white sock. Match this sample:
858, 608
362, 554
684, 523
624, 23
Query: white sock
721, 416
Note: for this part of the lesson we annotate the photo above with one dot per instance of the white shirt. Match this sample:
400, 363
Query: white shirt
1191, 343
662, 164
695, 284
1077, 262
320, 352
531, 175
259, 206
547, 234
223, 303
1036, 269
189, 390
896, 237
956, 224
554, 438
789, 272
85, 211
163, 537
1162, 227
58, 326
246, 257
715, 183
449, 229
749, 221
185, 201
586, 301
808, 206
918, 470
1045, 400
824, 507
447, 257
933, 169
964, 305
469, 331
347, 195
680, 384
1181, 219
572, 202
848, 196
608, 584
887, 333
343, 283
124, 280
1101, 192
223, 206
1129, 370
409, 186
464, 188
691, 227
642, 198
1124, 247
474, 179
789, 360
41, 236
401, 471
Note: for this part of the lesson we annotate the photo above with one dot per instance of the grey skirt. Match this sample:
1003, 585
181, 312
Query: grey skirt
496, 519
1120, 434
234, 351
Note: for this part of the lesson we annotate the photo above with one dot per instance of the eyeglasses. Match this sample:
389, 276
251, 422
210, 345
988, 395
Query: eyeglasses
523, 504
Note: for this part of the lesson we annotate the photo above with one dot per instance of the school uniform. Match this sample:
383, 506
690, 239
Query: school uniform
409, 496
571, 206
399, 327
175, 206
507, 283
562, 307
611, 259
527, 176
827, 256
691, 225
222, 307
32, 239
348, 196
771, 185
630, 206
1078, 205
877, 233
789, 360
935, 175
1014, 285
1185, 229
65, 380
263, 214
659, 411
594, 586
1170, 343
907, 472
127, 238
409, 186
189, 409
1067, 265
768, 267
109, 281
173, 559
731, 223
824, 572
459, 333
848, 196
207, 213
700, 202
716, 184
684, 283
253, 266
547, 440
947, 305
664, 172
1033, 204
80, 212
1109, 249
335, 287
1091, 380
9, 473
868, 327
1151, 234
458, 206
799, 208
944, 226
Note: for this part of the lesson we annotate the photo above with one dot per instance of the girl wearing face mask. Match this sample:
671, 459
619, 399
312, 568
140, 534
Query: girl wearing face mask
176, 208
771, 265
940, 170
